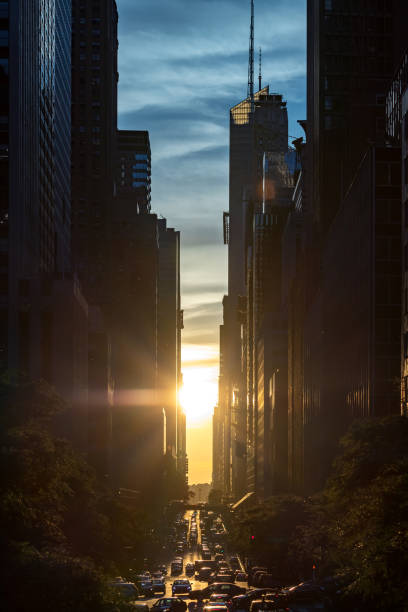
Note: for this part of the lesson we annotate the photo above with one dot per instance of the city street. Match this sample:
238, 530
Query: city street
190, 555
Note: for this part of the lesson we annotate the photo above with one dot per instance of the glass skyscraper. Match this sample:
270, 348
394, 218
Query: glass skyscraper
35, 56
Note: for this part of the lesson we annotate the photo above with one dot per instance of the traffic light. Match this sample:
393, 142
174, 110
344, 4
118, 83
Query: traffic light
252, 538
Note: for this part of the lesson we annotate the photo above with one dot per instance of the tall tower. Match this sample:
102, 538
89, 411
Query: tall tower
257, 124
250, 92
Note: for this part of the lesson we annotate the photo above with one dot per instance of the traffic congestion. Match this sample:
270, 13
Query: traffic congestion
201, 574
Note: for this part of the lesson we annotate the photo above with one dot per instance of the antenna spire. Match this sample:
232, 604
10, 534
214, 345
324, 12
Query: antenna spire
260, 69
251, 58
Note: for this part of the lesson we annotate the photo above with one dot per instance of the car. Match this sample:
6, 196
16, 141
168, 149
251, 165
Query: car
127, 590
189, 569
176, 568
225, 588
253, 571
306, 594
173, 604
204, 573
217, 598
158, 586
162, 569
219, 557
181, 586
222, 577
241, 576
243, 602
201, 563
144, 584
266, 603
206, 555
216, 607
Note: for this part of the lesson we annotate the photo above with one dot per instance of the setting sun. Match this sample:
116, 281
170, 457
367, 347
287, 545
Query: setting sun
198, 395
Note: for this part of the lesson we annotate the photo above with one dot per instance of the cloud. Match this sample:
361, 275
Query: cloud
205, 288
182, 65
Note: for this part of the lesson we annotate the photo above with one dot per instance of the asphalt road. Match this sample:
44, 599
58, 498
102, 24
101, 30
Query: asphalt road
189, 555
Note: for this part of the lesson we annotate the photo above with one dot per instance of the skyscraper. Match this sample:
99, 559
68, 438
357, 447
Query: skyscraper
342, 363
254, 129
39, 291
352, 52
168, 333
94, 118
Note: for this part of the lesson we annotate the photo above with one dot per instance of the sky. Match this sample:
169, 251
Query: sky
182, 65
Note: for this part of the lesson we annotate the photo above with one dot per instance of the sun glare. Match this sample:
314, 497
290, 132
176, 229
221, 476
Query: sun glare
198, 395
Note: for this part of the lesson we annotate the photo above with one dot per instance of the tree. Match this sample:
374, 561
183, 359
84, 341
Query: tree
33, 580
367, 497
54, 513
265, 532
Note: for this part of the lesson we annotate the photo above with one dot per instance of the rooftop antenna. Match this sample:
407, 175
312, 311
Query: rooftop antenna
260, 69
250, 92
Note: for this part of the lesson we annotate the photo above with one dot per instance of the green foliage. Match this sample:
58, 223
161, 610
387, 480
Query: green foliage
56, 518
367, 497
357, 528
273, 525
46, 581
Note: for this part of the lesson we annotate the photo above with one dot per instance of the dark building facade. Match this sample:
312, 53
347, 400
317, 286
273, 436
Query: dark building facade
133, 325
44, 314
361, 310
343, 338
352, 52
94, 118
169, 331
351, 56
